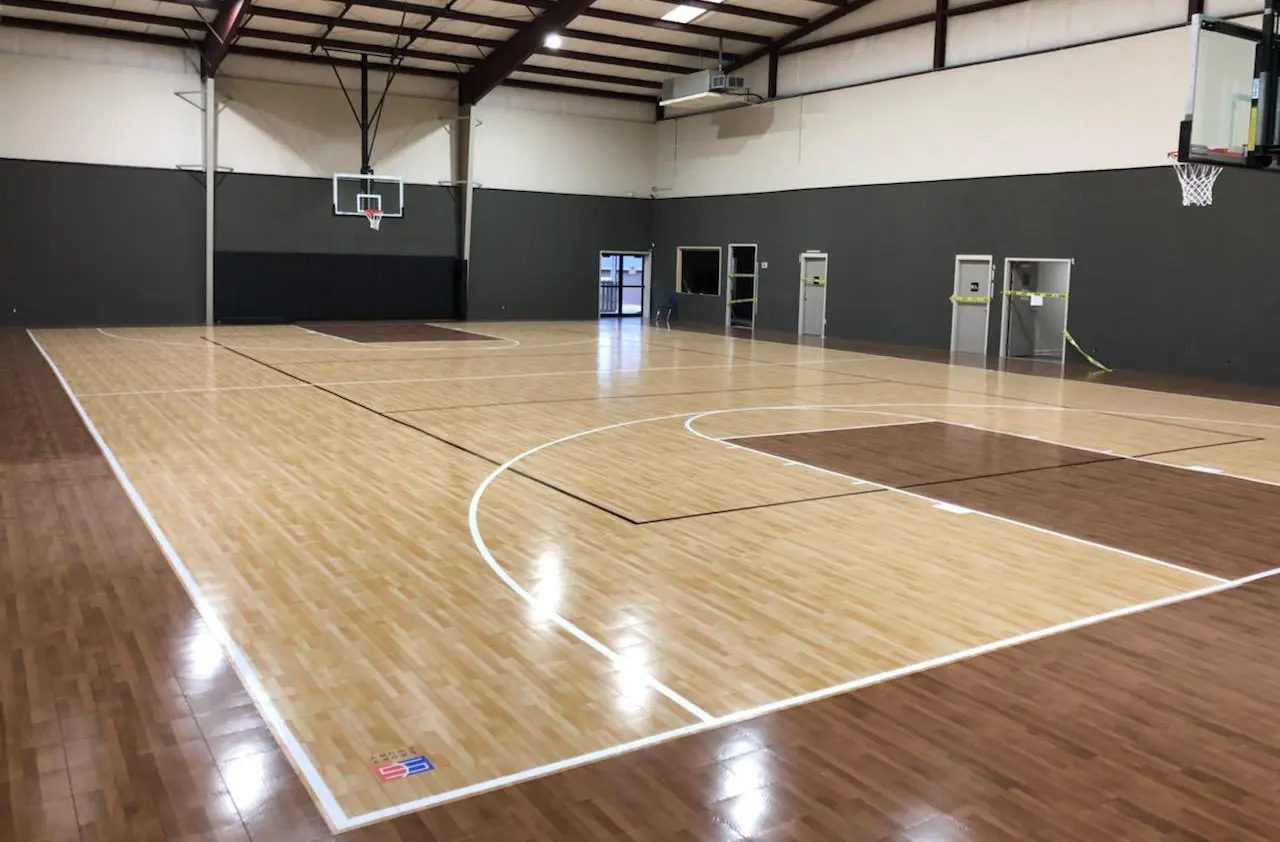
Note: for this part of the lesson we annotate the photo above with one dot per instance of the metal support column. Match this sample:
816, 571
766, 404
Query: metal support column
366, 167
463, 135
210, 101
1266, 78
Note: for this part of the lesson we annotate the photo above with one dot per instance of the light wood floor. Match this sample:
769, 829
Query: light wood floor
345, 536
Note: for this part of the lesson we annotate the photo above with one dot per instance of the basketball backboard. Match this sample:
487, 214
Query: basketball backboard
1231, 103
354, 194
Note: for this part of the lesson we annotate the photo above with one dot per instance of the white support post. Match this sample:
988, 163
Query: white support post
210, 186
466, 170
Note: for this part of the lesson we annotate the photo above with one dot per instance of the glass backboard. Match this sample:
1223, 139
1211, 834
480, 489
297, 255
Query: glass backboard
1232, 95
354, 194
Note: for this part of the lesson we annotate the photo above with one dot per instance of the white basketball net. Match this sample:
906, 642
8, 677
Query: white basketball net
375, 217
1197, 182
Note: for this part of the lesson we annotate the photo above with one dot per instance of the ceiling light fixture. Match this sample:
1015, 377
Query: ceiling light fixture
686, 14
552, 41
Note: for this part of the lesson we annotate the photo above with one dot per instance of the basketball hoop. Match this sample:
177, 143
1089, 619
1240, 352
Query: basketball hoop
374, 216
1197, 181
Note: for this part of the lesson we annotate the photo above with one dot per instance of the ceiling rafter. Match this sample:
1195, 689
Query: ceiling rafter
513, 23
708, 5
905, 23
500, 63
223, 33
603, 14
777, 45
262, 12
84, 30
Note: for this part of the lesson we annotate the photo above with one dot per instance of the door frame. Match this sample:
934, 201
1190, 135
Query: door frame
755, 283
1004, 306
825, 285
990, 260
646, 258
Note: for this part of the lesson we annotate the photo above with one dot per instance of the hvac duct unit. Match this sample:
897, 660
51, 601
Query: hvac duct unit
701, 89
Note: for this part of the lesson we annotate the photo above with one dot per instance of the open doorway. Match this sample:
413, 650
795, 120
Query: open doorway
622, 283
1033, 319
740, 308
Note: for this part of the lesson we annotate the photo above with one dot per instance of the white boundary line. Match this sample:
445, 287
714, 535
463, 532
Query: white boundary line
794, 701
248, 676
328, 805
473, 513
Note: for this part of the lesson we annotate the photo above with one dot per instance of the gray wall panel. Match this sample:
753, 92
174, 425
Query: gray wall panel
1156, 286
282, 214
95, 245
536, 255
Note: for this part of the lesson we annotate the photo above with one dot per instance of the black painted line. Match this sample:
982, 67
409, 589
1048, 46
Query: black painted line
431, 435
1163, 423
862, 382
778, 504
1249, 440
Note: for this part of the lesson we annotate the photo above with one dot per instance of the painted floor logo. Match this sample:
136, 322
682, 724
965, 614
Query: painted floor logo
403, 763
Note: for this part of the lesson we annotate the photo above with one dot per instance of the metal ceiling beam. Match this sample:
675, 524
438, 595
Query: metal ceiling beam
603, 14
940, 35
499, 64
671, 26
390, 51
223, 32
263, 12
905, 23
268, 12
708, 5
602, 78
329, 25
176, 42
398, 6
801, 31
639, 44
102, 12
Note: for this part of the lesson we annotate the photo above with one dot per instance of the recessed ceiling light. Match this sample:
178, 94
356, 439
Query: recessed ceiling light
552, 41
686, 14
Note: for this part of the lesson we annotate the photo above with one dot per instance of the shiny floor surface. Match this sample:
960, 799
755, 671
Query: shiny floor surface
614, 581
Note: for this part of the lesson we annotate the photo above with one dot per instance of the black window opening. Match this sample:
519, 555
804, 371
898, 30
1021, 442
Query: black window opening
698, 270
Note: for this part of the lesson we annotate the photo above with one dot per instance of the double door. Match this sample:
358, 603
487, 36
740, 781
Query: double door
621, 284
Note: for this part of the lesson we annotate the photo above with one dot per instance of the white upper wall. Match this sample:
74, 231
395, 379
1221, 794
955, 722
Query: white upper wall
91, 101
1110, 105
555, 143
269, 128
97, 101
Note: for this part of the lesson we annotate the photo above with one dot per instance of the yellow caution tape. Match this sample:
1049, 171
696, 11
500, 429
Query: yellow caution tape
1022, 293
741, 274
1076, 345
971, 299
816, 281
743, 301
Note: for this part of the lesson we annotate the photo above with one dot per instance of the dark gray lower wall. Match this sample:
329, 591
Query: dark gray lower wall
90, 245
282, 254
1156, 286
283, 214
536, 255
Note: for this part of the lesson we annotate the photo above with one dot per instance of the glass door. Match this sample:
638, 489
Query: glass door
621, 284
610, 284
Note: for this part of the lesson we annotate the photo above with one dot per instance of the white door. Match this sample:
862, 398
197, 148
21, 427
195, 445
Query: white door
971, 304
814, 313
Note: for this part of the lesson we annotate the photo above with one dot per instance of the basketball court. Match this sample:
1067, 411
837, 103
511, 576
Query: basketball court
325, 566
563, 542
